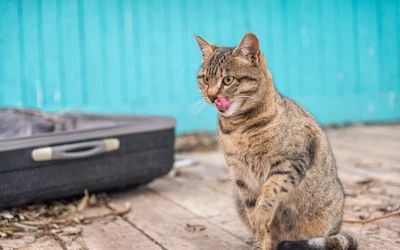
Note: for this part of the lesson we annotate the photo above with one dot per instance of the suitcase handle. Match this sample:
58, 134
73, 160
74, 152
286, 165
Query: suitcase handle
75, 150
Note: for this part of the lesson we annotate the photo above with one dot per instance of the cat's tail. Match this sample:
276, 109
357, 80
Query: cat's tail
341, 241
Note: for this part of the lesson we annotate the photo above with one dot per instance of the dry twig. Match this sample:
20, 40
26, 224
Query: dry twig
372, 219
116, 213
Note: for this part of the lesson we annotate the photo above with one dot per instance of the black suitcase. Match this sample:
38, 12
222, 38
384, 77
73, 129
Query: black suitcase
94, 152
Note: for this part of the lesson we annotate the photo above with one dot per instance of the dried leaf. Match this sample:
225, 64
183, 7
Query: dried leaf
56, 231
84, 202
39, 234
10, 230
7, 215
76, 220
86, 222
25, 227
93, 200
194, 228
31, 223
65, 214
71, 231
71, 208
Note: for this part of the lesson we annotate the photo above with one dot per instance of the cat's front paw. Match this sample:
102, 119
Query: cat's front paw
260, 220
257, 245
262, 244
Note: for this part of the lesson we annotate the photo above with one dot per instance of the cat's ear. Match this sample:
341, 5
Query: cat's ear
249, 48
205, 47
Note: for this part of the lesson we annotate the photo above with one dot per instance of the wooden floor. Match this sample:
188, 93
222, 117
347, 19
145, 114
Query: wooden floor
192, 208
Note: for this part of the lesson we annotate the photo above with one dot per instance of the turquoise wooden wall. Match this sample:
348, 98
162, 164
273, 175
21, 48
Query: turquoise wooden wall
339, 58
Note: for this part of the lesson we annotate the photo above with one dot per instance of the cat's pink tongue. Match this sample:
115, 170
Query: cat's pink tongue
223, 103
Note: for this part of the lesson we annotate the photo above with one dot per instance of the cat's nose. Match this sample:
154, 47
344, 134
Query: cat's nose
212, 98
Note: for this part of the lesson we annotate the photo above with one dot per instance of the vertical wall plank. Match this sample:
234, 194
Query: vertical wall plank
330, 75
187, 73
348, 73
104, 96
368, 48
277, 63
33, 83
159, 54
145, 39
137, 79
82, 50
311, 64
129, 48
10, 59
113, 52
71, 53
59, 34
42, 71
397, 37
122, 50
94, 50
285, 84
52, 90
294, 41
174, 61
390, 52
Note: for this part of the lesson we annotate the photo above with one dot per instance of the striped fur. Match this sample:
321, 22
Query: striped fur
285, 177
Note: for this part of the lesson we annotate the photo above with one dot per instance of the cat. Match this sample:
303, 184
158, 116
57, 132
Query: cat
287, 191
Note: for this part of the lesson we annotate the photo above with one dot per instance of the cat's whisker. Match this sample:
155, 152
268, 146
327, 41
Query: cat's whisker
195, 105
199, 97
198, 110
250, 97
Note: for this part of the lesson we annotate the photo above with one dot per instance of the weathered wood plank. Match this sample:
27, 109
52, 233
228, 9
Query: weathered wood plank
388, 132
217, 208
29, 243
216, 177
346, 168
365, 149
365, 160
364, 139
110, 233
172, 225
373, 237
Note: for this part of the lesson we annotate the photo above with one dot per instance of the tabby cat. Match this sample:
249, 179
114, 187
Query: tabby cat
287, 189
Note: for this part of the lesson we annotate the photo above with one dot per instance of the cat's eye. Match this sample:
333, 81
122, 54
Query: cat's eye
206, 80
228, 80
